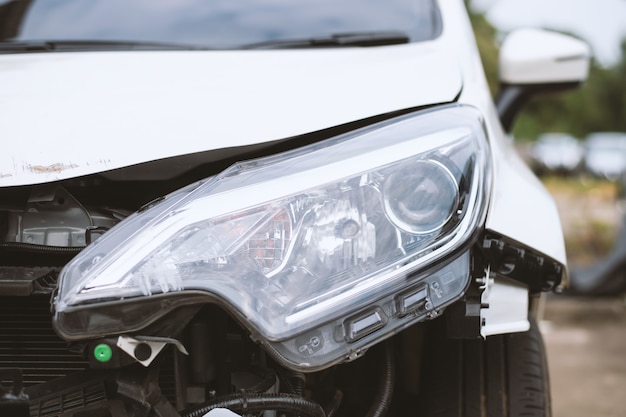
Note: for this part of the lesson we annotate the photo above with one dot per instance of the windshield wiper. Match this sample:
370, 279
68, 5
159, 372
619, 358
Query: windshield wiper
336, 40
81, 46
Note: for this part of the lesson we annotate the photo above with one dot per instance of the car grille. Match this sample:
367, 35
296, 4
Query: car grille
28, 342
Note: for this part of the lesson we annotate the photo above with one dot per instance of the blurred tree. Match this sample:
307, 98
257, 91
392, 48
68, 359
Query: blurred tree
485, 35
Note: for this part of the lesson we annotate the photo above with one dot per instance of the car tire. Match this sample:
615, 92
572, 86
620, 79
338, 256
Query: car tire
503, 376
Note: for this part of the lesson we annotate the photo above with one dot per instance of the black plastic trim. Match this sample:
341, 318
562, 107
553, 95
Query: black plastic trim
512, 98
514, 260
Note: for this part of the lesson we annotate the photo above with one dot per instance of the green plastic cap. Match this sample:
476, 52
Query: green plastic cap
103, 352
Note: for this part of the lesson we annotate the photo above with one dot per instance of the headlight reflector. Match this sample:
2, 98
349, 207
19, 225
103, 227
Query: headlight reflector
318, 251
421, 197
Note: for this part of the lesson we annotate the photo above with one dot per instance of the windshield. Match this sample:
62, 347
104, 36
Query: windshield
220, 24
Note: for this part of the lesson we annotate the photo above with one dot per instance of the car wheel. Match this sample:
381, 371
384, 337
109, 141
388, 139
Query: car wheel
503, 376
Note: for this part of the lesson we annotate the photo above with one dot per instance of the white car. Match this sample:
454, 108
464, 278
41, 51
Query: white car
605, 154
559, 153
270, 207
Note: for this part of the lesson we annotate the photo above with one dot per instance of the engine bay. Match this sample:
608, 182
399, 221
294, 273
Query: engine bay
219, 366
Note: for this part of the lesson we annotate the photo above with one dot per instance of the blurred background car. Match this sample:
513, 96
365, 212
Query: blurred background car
605, 154
556, 153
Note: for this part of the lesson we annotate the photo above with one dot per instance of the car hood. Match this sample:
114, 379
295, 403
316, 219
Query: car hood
71, 114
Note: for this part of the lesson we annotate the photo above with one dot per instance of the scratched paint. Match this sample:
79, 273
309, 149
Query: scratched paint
54, 168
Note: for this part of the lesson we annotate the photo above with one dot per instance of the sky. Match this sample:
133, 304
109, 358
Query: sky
602, 23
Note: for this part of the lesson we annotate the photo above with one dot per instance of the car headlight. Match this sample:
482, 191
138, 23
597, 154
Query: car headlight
319, 252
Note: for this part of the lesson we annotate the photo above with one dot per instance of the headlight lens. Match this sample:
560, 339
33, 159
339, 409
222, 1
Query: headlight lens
318, 251
422, 197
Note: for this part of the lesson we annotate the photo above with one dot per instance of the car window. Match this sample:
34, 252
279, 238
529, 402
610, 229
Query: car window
212, 23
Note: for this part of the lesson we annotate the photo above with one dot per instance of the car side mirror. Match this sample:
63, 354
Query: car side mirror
534, 61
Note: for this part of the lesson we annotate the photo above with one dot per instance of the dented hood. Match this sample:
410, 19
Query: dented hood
66, 115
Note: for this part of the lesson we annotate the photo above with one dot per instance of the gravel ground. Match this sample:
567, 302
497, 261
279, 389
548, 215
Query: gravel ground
586, 343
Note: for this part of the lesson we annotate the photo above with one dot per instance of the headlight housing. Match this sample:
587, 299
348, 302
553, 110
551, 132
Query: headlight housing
319, 252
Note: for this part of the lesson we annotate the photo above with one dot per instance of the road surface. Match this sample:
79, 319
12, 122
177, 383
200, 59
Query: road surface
586, 343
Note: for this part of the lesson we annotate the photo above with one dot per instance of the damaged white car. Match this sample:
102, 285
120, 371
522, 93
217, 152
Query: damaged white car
270, 208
